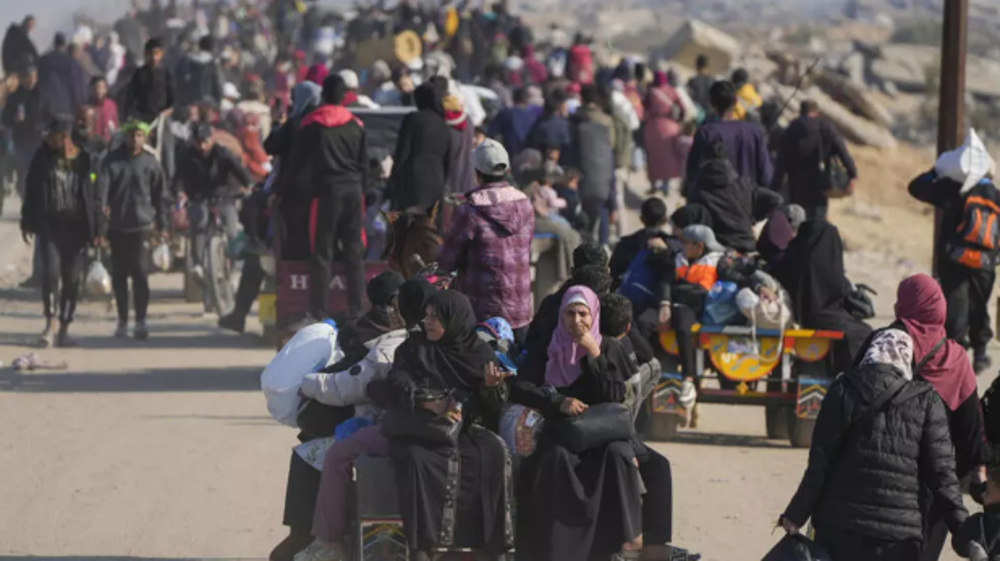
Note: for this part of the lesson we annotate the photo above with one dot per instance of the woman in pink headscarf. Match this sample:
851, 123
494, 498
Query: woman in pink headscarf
317, 73
921, 309
664, 113
576, 506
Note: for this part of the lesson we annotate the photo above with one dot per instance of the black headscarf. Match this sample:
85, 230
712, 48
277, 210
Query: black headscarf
412, 295
456, 361
426, 97
383, 287
689, 214
812, 272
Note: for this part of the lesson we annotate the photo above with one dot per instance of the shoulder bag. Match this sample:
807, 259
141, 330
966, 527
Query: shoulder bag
833, 178
420, 424
600, 424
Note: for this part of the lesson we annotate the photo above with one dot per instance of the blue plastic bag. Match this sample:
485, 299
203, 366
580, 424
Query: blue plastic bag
720, 304
350, 426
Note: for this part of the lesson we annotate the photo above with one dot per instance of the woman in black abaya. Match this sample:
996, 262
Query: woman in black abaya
422, 159
450, 496
587, 506
812, 271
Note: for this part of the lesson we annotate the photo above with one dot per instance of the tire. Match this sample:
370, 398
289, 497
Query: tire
663, 427
779, 419
217, 276
802, 432
192, 290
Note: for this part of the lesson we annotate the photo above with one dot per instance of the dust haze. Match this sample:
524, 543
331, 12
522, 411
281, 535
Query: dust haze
57, 15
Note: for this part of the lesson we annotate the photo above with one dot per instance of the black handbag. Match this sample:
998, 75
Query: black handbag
833, 178
420, 424
600, 424
859, 304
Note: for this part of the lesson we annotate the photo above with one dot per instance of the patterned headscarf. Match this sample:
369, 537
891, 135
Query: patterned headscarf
893, 347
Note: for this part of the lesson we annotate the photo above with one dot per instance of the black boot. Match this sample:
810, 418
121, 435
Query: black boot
232, 323
63, 339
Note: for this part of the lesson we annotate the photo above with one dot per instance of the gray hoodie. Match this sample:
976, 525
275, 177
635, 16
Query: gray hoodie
132, 189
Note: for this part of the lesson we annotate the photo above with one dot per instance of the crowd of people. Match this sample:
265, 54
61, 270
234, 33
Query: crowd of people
250, 112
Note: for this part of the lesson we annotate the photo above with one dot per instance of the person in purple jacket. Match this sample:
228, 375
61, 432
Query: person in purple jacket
489, 242
745, 144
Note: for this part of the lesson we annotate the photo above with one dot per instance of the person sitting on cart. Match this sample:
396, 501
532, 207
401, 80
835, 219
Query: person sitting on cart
209, 175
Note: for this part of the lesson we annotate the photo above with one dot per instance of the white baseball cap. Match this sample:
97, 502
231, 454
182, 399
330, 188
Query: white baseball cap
490, 158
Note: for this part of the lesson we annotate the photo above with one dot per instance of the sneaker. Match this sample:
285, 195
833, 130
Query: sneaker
198, 274
318, 551
981, 362
232, 323
122, 330
688, 394
141, 332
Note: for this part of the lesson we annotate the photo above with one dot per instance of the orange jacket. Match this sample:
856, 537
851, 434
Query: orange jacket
702, 272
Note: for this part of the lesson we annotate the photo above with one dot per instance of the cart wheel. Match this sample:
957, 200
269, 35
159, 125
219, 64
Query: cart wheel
663, 427
779, 419
802, 432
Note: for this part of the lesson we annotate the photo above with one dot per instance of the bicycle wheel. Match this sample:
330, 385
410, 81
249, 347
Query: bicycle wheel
218, 274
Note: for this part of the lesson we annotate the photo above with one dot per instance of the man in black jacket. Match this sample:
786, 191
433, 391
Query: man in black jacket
330, 157
734, 202
863, 485
208, 175
808, 142
199, 76
25, 115
19, 51
61, 78
130, 190
151, 91
59, 209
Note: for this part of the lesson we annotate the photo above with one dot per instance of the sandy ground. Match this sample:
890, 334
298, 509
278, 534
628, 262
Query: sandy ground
164, 448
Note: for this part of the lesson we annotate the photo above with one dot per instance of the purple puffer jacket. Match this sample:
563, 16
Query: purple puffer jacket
489, 244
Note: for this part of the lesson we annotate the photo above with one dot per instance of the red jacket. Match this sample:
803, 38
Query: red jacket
105, 117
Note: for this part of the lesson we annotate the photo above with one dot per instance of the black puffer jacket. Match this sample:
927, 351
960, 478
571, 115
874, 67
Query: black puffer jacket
872, 487
734, 202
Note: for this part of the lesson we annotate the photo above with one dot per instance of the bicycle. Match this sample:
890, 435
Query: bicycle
219, 294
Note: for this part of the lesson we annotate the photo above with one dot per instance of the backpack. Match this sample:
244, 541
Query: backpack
639, 282
979, 231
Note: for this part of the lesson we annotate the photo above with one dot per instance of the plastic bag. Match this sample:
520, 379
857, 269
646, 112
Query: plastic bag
720, 304
796, 547
98, 281
311, 349
162, 258
765, 314
968, 164
520, 427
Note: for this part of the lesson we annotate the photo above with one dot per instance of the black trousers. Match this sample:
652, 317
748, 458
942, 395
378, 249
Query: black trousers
300, 494
658, 504
249, 289
682, 319
63, 257
338, 223
847, 546
128, 260
968, 294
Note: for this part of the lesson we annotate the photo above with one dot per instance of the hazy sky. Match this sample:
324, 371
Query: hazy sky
56, 15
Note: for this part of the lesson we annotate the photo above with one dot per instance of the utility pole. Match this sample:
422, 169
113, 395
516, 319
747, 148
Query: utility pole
951, 100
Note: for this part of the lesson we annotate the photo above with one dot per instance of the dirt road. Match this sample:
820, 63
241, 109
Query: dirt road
163, 448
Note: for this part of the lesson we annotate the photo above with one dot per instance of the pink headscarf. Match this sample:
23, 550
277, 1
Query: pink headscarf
317, 73
563, 367
921, 307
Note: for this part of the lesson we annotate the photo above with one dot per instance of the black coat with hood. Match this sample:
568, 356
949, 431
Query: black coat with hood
872, 486
421, 162
330, 154
198, 78
19, 52
734, 202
